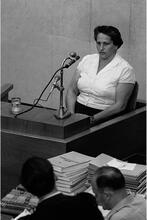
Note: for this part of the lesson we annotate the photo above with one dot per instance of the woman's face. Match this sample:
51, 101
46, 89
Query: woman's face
105, 46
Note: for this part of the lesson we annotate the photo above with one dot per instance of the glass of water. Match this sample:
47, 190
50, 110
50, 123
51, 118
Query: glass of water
16, 105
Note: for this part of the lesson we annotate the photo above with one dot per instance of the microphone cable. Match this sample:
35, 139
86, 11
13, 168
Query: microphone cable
50, 92
34, 105
72, 55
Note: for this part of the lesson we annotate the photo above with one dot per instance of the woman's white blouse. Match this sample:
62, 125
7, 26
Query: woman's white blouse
98, 90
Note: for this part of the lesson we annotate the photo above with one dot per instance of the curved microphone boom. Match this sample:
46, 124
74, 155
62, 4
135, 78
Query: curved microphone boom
57, 78
62, 112
73, 58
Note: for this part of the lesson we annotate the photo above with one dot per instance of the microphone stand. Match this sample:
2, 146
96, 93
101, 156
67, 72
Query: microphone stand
35, 104
62, 112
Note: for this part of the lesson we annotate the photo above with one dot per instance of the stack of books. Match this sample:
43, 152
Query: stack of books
135, 174
17, 200
71, 170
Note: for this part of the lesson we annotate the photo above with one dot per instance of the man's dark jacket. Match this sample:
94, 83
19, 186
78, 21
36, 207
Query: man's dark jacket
82, 206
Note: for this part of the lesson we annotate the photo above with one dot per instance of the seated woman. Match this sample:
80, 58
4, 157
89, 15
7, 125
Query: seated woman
104, 81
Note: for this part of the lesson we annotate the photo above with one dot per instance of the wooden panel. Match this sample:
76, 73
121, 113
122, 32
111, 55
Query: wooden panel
16, 148
118, 137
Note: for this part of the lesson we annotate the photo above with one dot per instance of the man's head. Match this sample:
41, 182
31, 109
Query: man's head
108, 185
37, 176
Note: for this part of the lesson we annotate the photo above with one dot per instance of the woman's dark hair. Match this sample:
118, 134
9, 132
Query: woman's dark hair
109, 177
111, 31
37, 176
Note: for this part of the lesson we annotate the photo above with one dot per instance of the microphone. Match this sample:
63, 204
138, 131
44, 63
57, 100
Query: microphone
73, 55
73, 58
57, 78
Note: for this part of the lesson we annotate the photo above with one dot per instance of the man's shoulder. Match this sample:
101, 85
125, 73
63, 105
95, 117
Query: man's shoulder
128, 214
85, 195
58, 199
86, 200
135, 210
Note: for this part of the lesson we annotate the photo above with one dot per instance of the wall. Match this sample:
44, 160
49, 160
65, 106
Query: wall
37, 35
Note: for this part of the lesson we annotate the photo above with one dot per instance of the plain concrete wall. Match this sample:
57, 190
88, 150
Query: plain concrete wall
36, 35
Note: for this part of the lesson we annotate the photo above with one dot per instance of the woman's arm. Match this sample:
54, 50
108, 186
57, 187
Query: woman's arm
72, 92
123, 92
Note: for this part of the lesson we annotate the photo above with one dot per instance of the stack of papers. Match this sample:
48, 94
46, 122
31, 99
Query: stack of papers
17, 200
71, 170
135, 174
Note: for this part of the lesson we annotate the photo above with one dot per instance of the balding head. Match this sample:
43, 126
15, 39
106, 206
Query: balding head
108, 185
109, 177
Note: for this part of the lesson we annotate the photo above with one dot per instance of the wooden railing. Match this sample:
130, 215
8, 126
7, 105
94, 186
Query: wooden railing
5, 89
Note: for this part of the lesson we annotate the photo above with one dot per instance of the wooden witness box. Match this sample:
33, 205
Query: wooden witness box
42, 122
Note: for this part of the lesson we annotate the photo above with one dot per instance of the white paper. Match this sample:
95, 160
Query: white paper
121, 165
22, 214
104, 212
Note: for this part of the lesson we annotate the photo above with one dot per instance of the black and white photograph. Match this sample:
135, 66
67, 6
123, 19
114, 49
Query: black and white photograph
73, 110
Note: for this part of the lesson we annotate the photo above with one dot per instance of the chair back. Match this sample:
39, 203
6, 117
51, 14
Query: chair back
131, 105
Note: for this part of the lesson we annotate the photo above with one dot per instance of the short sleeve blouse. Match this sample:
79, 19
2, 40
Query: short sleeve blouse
99, 90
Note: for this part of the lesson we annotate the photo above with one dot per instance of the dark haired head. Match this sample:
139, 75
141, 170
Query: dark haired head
111, 31
37, 176
109, 177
